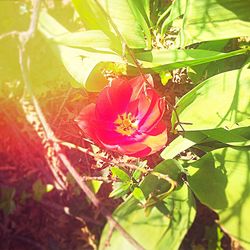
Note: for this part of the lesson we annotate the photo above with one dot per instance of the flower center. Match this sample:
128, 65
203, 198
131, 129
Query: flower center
126, 124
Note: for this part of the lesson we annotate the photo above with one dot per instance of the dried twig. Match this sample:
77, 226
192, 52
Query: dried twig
9, 34
114, 163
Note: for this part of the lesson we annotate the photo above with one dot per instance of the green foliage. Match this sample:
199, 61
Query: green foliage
139, 195
137, 173
94, 39
165, 77
208, 20
85, 54
177, 9
157, 230
120, 13
96, 185
122, 175
82, 65
169, 59
7, 202
87, 10
220, 180
39, 189
227, 123
120, 189
226, 93
181, 143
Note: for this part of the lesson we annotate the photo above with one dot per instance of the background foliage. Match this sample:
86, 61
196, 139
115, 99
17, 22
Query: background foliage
79, 45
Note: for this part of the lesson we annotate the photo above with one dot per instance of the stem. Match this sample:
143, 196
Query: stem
157, 174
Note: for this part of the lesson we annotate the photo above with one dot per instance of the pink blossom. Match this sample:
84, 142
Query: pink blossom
127, 118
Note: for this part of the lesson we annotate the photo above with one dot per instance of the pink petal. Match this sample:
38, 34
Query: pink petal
104, 106
144, 103
111, 137
158, 129
86, 120
147, 103
156, 142
133, 107
153, 116
138, 84
135, 150
113, 100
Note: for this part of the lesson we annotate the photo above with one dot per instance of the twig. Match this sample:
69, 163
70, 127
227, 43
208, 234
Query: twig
131, 166
98, 178
24, 38
110, 233
12, 33
152, 172
62, 105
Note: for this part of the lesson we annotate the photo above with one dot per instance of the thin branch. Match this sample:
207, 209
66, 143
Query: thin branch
9, 34
62, 105
152, 172
131, 166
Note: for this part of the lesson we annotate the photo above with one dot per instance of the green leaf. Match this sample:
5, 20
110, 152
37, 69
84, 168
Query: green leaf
123, 17
203, 71
221, 180
239, 135
120, 189
122, 175
152, 183
139, 9
96, 185
137, 173
168, 59
39, 189
182, 143
95, 39
84, 66
165, 77
91, 15
163, 15
7, 202
177, 9
225, 94
139, 195
207, 20
157, 230
234, 137
144, 6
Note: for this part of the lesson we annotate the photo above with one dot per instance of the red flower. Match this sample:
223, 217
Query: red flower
127, 118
